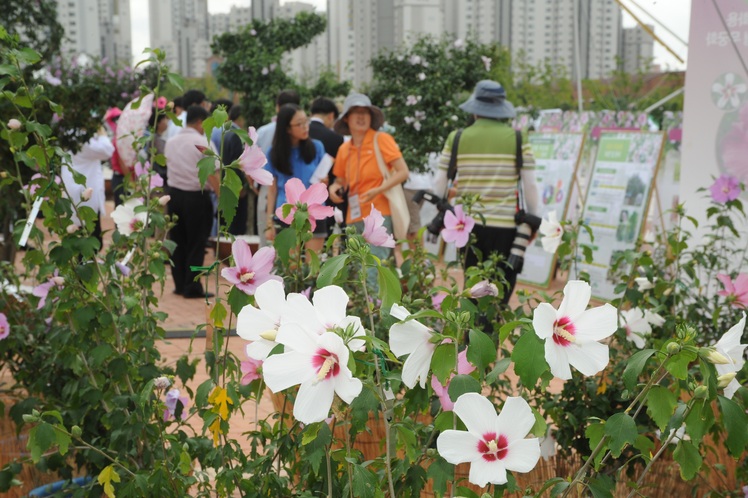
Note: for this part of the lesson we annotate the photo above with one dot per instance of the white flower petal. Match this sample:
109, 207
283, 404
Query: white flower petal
417, 365
271, 298
731, 388
399, 312
282, 371
597, 323
346, 386
252, 322
523, 455
557, 359
543, 319
299, 310
654, 318
457, 446
515, 420
406, 337
297, 338
589, 358
477, 413
482, 472
260, 349
330, 302
354, 344
577, 295
313, 401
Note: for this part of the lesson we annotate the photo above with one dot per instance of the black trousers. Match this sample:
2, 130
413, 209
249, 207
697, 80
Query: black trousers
494, 240
191, 232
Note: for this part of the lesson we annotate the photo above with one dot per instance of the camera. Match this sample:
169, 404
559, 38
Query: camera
442, 205
527, 225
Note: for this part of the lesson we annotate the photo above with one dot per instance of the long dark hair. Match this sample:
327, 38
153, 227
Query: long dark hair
280, 154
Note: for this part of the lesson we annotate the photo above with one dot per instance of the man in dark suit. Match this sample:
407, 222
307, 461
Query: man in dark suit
324, 113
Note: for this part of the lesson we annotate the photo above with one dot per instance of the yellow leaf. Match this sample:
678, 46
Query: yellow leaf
215, 429
107, 476
220, 399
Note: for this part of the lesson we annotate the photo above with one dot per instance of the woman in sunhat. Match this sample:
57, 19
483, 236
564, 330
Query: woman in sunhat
357, 174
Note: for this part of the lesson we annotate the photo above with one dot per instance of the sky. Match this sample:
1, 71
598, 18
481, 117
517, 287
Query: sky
674, 14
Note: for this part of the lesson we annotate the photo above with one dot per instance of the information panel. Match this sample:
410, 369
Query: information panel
556, 160
617, 201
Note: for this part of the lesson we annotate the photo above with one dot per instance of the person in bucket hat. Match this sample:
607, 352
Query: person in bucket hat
357, 174
486, 165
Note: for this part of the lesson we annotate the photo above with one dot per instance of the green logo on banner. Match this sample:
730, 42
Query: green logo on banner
614, 149
542, 148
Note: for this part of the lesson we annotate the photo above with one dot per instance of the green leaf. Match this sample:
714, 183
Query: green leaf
443, 362
621, 428
41, 438
507, 329
441, 472
63, 442
541, 427
185, 463
595, 433
461, 384
687, 455
176, 79
237, 300
390, 290
218, 314
736, 422
678, 363
330, 270
661, 403
481, 351
208, 125
498, 369
310, 433
602, 486
285, 243
233, 182
634, 367
699, 420
227, 203
528, 356
28, 56
145, 393
205, 167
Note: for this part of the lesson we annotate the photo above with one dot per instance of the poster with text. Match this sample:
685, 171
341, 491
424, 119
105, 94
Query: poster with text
715, 119
617, 202
556, 162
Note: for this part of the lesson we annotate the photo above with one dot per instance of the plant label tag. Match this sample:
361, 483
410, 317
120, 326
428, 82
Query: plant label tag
128, 256
30, 221
354, 207
388, 394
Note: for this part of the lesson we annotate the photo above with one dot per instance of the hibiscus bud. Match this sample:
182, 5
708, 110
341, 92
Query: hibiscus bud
354, 244
269, 335
86, 195
713, 356
724, 379
72, 228
14, 124
483, 289
701, 392
58, 280
673, 348
76, 431
164, 200
161, 383
667, 291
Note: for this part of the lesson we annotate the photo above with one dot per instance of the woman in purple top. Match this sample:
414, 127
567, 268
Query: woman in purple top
292, 155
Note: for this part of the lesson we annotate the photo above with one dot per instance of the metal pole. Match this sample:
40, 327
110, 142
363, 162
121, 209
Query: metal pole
663, 100
649, 31
577, 55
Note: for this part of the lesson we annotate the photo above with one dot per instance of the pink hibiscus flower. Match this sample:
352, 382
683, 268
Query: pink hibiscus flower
313, 198
251, 371
725, 188
375, 232
42, 290
4, 326
457, 227
145, 169
463, 367
250, 272
172, 398
253, 159
737, 289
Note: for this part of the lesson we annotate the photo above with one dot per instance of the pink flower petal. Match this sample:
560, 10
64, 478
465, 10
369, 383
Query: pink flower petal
242, 253
294, 190
316, 194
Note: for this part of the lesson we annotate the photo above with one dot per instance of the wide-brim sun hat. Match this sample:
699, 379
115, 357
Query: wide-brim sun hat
358, 100
489, 101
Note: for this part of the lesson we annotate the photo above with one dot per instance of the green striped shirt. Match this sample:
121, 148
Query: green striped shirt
485, 166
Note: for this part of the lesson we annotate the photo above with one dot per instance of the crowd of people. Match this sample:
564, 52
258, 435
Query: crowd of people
341, 146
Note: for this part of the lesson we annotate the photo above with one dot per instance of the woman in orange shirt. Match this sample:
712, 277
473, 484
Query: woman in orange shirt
357, 174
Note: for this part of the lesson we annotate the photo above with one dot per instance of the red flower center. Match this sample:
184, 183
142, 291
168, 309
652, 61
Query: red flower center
563, 331
493, 448
326, 364
246, 275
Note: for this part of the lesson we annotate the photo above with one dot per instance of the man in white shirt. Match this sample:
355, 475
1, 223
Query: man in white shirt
189, 202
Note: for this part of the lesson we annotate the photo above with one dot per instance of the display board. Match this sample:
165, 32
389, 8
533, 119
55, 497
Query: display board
556, 162
617, 202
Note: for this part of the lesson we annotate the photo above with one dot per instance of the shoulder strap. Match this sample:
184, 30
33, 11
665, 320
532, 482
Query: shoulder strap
452, 171
380, 159
518, 151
